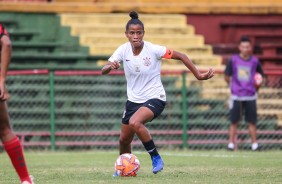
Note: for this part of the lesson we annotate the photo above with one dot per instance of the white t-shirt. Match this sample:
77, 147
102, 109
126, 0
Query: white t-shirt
142, 72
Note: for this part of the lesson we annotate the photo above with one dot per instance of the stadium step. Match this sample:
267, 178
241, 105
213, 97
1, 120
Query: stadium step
171, 6
269, 103
103, 33
78, 29
9, 23
23, 35
240, 2
20, 46
36, 57
87, 39
122, 19
206, 61
74, 1
215, 83
105, 49
264, 93
181, 67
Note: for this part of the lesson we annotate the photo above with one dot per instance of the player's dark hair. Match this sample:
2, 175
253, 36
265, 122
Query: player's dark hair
134, 20
245, 39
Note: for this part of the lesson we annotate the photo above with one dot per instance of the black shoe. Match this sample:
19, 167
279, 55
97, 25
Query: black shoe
230, 149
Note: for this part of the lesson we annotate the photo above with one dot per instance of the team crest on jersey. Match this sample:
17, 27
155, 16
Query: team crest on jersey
147, 61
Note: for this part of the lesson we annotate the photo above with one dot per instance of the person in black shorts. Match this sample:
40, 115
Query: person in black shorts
240, 76
146, 95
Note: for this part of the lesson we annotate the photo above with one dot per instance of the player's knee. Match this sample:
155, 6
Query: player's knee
4, 131
124, 141
134, 124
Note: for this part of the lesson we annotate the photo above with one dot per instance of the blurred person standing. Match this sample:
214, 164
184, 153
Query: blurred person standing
240, 74
9, 140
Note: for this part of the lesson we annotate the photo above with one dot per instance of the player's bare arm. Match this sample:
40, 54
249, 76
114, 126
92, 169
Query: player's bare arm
189, 64
110, 66
5, 61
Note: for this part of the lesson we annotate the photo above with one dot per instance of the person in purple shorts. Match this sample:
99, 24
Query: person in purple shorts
239, 75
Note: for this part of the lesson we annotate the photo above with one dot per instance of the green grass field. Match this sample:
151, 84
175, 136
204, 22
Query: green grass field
180, 167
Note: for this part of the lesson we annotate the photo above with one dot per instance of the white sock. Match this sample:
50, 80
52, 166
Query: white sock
231, 145
254, 146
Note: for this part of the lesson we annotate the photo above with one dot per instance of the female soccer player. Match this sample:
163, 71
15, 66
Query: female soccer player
10, 141
146, 95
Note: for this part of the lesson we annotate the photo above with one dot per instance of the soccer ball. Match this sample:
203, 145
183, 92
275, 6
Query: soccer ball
127, 165
258, 79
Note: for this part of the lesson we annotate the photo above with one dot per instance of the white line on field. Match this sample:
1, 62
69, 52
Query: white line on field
205, 155
199, 155
143, 152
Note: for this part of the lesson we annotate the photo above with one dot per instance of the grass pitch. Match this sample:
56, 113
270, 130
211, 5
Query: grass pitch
87, 167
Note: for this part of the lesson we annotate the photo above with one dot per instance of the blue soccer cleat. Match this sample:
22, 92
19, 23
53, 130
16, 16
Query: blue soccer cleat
157, 163
115, 174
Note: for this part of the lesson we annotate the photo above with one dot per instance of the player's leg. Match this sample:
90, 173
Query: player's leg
125, 139
137, 123
150, 110
253, 134
147, 112
127, 133
12, 145
251, 118
235, 115
232, 136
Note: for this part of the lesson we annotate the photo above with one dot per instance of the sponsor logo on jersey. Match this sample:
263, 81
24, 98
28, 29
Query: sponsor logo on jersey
137, 68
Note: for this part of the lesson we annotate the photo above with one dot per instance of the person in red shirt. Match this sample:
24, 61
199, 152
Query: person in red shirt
10, 141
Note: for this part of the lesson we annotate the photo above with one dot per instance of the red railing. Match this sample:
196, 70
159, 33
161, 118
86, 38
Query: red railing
22, 135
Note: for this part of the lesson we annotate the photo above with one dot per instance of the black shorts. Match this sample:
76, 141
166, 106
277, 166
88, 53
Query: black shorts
248, 108
155, 105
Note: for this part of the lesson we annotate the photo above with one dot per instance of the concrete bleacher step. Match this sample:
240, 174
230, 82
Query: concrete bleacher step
75, 1
25, 35
19, 46
269, 103
213, 83
78, 29
270, 112
267, 108
205, 49
270, 93
87, 39
264, 93
216, 82
203, 61
240, 2
179, 66
9, 23
103, 33
171, 6
104, 49
36, 57
121, 18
